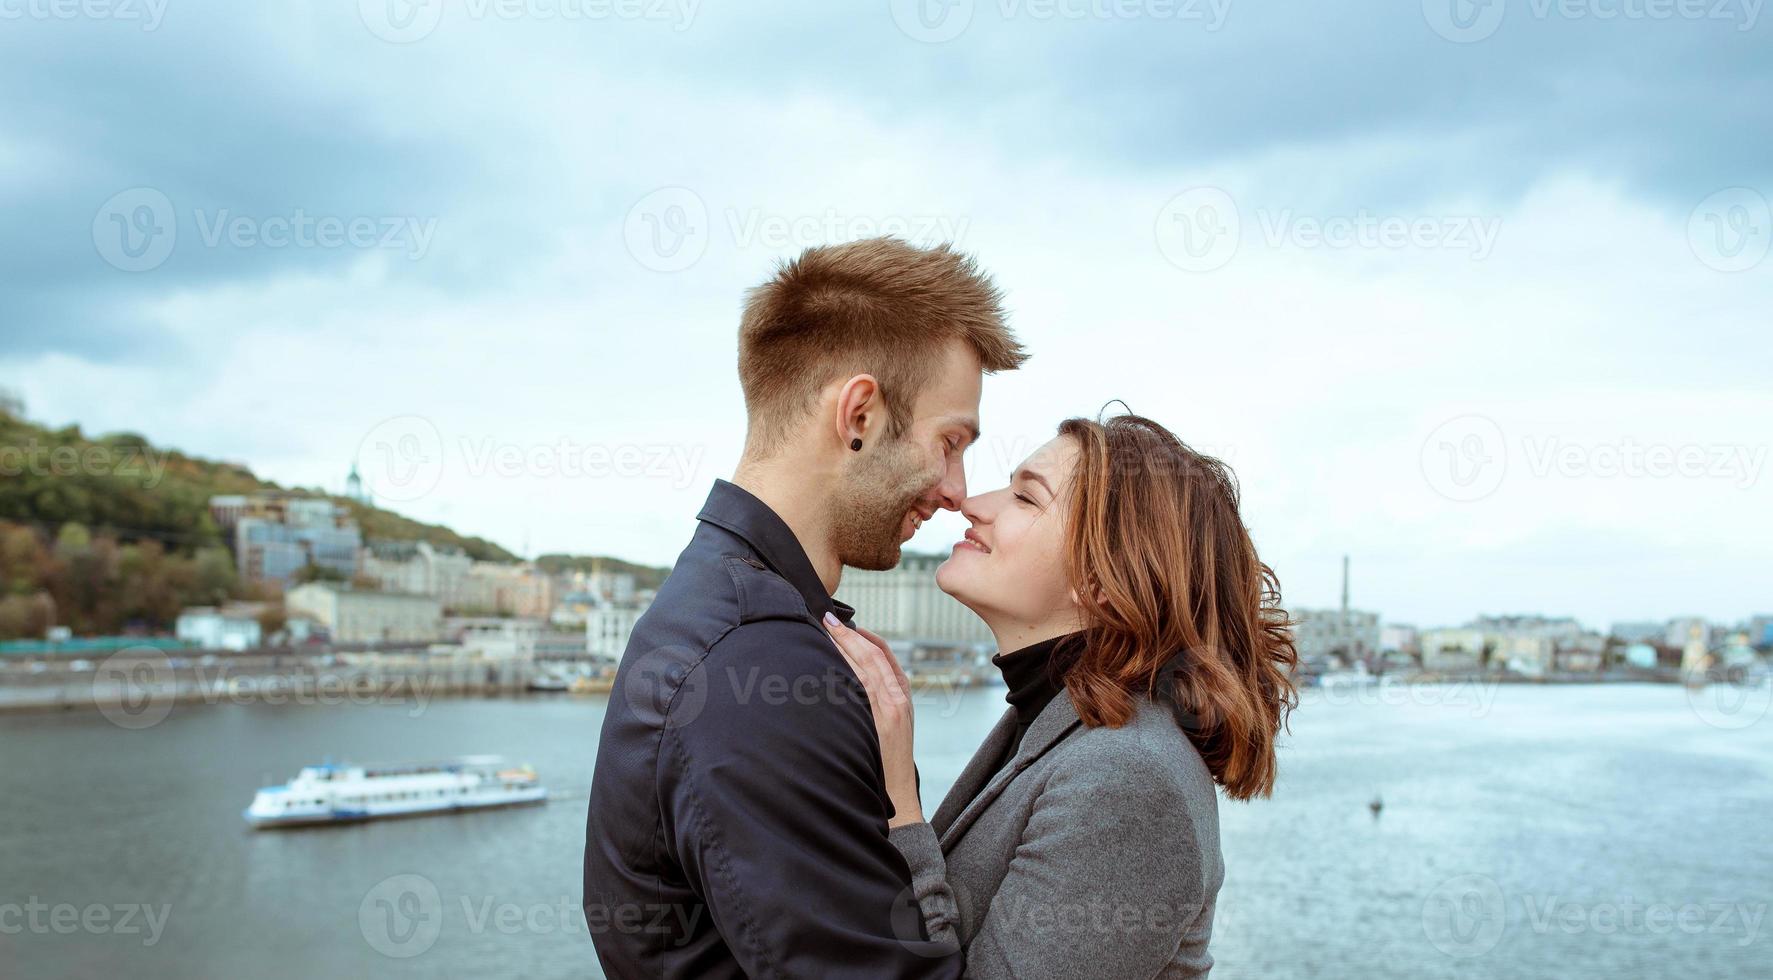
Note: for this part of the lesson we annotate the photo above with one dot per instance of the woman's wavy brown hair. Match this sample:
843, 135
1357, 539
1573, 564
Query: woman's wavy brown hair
1176, 604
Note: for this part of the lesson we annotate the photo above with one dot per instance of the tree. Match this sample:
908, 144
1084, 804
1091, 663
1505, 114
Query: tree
315, 573
272, 620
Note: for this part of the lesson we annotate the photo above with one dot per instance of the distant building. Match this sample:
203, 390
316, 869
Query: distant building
417, 568
1350, 635
1524, 653
275, 534
1583, 653
358, 616
616, 587
904, 603
461, 584
608, 626
1684, 631
495, 637
1645, 631
515, 589
1641, 655
354, 489
234, 627
1399, 638
573, 608
1345, 634
1453, 648
1531, 644
1551, 627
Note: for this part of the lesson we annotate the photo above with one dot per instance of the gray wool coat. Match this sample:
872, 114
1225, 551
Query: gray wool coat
1094, 853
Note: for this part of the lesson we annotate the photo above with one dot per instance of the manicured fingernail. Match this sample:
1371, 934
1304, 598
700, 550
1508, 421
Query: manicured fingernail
832, 620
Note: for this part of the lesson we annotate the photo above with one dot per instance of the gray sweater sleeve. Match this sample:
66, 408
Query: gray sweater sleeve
1106, 879
929, 879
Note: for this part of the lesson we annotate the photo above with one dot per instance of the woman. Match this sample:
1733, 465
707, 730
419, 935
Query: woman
1149, 662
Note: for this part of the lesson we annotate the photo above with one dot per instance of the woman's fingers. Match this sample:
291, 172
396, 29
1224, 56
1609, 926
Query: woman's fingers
897, 671
859, 652
869, 661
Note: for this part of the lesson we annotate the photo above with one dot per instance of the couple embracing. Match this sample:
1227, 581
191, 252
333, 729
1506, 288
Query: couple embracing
1148, 664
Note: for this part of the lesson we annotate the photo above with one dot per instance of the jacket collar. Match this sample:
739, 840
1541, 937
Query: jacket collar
735, 509
966, 800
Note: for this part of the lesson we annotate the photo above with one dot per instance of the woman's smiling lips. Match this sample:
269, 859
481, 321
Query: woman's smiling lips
972, 540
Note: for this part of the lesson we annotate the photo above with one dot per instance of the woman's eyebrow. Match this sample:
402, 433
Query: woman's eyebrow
1027, 474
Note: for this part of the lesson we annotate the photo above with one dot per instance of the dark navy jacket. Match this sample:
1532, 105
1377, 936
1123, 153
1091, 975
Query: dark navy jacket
738, 819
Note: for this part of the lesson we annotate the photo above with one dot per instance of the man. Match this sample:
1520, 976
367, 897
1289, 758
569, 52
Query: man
738, 818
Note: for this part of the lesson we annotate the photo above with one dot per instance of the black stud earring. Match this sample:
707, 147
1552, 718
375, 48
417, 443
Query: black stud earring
856, 444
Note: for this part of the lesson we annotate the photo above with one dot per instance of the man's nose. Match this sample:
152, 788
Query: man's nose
952, 491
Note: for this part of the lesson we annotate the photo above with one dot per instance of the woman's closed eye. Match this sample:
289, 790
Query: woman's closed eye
1026, 499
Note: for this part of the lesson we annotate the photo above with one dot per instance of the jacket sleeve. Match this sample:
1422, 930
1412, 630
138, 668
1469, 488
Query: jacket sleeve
770, 774
1105, 881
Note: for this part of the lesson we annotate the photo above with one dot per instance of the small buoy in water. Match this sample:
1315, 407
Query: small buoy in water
1375, 806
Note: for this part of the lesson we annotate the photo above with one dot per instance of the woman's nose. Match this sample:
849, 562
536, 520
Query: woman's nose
976, 509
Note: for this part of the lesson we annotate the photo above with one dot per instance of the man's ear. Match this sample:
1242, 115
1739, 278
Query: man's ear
860, 409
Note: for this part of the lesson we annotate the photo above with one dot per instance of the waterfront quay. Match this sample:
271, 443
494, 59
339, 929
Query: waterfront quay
135, 680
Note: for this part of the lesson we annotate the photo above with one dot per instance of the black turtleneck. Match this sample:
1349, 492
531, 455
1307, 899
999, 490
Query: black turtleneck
1033, 685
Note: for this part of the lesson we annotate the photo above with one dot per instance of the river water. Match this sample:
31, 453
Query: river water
1526, 831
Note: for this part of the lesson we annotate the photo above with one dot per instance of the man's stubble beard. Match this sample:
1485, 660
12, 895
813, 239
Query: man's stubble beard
869, 510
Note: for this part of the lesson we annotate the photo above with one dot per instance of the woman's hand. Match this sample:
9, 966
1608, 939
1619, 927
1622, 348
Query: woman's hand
889, 695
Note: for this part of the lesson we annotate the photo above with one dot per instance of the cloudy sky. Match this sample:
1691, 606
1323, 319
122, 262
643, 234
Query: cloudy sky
1479, 295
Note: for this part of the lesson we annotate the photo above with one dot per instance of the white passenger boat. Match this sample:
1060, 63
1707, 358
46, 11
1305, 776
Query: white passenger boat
330, 793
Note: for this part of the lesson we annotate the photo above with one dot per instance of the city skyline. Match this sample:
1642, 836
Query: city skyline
1502, 361
152, 461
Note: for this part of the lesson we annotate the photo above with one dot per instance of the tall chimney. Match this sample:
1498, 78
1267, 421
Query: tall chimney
1345, 591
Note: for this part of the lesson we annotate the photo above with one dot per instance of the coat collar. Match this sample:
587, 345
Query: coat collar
967, 799
735, 509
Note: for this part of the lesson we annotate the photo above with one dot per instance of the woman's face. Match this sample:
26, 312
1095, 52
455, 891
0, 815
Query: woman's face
1010, 567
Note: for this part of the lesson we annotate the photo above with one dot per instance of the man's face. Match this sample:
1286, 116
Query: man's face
892, 487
